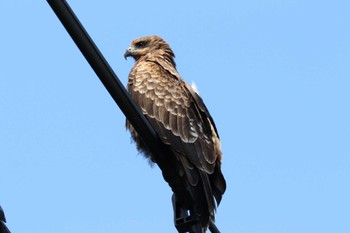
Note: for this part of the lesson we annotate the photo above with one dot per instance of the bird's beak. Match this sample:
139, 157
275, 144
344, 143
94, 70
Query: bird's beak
128, 53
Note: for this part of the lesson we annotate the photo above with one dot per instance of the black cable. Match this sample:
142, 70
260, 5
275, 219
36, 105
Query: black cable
115, 88
3, 228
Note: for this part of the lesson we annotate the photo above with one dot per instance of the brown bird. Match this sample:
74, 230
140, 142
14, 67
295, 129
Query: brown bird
182, 121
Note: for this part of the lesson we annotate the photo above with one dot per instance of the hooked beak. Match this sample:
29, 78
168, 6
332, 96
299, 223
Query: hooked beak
128, 53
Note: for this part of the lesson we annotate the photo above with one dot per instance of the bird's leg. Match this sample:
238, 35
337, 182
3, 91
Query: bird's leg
184, 222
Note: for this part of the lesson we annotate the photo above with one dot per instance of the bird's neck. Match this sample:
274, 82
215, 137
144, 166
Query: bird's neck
159, 57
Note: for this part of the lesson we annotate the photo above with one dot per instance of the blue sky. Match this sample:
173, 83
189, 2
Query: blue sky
274, 74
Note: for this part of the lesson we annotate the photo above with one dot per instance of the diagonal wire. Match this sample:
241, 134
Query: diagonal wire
118, 92
3, 228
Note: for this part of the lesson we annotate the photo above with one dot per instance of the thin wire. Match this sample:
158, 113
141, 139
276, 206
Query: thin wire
118, 93
3, 228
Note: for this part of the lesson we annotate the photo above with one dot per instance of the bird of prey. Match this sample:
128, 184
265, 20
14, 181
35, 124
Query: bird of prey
178, 115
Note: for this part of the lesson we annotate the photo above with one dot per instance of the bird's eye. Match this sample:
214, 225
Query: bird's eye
141, 44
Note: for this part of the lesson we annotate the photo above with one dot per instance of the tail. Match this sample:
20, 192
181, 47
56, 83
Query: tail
210, 186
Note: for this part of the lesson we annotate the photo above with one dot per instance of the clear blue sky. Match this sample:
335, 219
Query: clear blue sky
275, 75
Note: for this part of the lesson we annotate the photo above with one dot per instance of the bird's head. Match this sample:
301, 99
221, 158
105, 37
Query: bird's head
149, 44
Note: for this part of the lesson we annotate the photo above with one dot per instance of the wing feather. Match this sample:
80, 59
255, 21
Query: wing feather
179, 116
172, 102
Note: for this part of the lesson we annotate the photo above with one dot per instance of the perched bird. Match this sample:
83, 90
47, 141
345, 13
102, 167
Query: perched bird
182, 121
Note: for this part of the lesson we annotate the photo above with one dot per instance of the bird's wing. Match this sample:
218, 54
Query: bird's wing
177, 115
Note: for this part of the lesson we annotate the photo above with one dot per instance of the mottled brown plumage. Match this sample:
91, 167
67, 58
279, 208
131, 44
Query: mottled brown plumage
182, 121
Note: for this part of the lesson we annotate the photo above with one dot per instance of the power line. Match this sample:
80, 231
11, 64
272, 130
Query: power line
3, 228
127, 106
